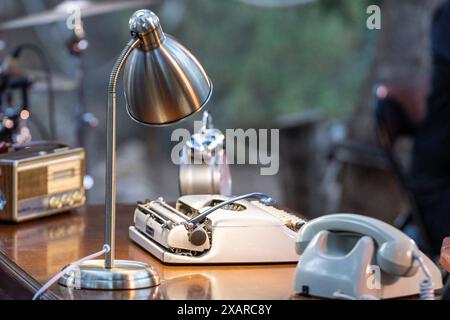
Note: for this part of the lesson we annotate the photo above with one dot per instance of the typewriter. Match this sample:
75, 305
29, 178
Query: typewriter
216, 229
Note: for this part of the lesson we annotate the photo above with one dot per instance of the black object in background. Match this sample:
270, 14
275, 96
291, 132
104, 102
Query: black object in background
446, 295
431, 156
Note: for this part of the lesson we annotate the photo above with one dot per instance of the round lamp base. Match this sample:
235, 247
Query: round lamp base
125, 275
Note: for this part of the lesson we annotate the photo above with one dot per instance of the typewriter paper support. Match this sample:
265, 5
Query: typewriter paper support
241, 231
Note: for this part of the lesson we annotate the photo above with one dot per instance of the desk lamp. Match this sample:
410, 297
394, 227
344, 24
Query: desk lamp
163, 83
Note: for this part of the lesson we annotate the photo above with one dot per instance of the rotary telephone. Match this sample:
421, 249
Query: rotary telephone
350, 256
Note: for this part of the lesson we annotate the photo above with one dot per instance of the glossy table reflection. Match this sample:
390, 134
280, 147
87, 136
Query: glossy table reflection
32, 252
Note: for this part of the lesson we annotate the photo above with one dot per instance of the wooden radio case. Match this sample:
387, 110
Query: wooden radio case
40, 181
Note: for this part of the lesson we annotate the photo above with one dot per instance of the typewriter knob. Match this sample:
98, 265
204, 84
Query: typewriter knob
198, 237
77, 196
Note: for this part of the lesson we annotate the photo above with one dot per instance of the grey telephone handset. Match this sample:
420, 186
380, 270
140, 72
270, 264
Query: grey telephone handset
353, 256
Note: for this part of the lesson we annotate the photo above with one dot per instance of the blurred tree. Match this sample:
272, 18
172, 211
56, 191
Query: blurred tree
402, 54
270, 61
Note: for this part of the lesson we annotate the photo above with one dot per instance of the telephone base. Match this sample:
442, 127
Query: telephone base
224, 255
325, 270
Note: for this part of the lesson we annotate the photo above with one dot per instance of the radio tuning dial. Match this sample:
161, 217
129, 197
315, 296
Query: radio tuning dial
54, 202
77, 196
67, 200
64, 199
70, 201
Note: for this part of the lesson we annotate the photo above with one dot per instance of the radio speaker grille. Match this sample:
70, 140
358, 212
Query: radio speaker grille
32, 183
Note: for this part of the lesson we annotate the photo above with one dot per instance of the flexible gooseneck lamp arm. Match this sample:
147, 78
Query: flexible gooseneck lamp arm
110, 193
163, 83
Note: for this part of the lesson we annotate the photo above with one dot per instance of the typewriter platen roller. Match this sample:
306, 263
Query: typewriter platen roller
216, 229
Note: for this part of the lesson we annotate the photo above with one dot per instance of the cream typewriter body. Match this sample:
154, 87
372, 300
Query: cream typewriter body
206, 229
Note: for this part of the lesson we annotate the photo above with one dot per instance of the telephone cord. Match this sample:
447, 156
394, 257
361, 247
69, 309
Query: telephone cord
426, 285
69, 268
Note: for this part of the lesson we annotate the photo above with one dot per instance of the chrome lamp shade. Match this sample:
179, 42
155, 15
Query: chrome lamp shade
163, 81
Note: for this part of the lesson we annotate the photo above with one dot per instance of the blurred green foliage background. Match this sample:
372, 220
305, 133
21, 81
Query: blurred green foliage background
266, 62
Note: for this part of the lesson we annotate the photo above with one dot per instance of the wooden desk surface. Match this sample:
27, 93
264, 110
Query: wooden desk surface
32, 252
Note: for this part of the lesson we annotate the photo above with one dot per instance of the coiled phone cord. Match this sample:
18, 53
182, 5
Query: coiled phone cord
426, 285
69, 268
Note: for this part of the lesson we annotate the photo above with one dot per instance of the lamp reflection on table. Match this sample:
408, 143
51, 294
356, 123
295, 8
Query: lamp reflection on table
202, 283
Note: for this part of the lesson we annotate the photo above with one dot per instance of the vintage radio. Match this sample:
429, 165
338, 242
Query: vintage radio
40, 181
